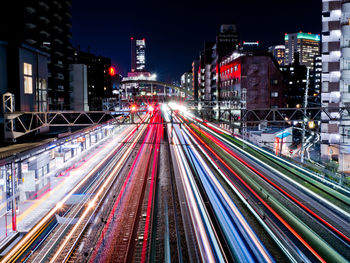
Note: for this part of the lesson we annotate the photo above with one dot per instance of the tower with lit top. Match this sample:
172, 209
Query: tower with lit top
306, 44
138, 54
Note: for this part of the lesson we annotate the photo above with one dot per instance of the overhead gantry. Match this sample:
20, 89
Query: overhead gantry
172, 89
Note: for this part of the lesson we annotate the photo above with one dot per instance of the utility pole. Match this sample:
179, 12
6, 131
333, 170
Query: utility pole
305, 106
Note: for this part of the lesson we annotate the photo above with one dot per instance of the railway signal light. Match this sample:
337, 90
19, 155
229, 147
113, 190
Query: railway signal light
112, 71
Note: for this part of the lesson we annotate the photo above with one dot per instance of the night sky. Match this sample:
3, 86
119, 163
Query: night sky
175, 30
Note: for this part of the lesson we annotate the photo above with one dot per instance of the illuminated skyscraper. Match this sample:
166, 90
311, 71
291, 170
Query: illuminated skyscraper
306, 44
138, 55
279, 53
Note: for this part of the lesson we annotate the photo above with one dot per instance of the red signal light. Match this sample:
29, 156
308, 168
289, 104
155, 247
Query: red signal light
133, 108
111, 71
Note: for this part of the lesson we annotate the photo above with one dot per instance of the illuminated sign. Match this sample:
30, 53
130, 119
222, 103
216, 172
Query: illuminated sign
307, 36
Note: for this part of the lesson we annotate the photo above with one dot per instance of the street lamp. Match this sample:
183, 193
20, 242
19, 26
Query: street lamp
311, 124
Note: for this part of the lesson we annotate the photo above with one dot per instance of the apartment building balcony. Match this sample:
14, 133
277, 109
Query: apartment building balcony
346, 52
45, 47
346, 74
68, 3
329, 6
60, 42
57, 16
59, 76
60, 54
59, 6
44, 33
30, 10
333, 66
44, 5
345, 97
345, 29
44, 19
30, 25
346, 6
30, 41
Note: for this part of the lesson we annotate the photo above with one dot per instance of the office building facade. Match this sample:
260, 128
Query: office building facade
138, 55
186, 81
306, 44
278, 52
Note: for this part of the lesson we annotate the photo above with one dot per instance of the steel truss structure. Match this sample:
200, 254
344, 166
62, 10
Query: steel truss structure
17, 124
278, 115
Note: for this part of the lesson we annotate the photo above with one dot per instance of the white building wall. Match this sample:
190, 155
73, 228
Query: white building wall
335, 135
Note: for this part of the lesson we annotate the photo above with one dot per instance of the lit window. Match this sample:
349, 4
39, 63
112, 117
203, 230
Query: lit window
274, 94
28, 78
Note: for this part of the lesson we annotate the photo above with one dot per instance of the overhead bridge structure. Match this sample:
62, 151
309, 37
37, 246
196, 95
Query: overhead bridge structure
169, 89
17, 124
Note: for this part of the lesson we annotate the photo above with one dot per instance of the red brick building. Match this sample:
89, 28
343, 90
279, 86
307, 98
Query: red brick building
250, 81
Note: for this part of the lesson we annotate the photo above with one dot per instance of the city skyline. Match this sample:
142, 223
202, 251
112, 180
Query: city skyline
178, 40
172, 131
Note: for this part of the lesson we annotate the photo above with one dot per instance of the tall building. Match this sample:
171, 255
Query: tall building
294, 77
335, 135
195, 69
227, 40
306, 44
42, 26
278, 52
138, 55
250, 80
204, 73
99, 84
186, 81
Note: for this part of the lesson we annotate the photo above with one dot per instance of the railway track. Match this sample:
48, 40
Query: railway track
71, 241
248, 174
49, 241
130, 232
